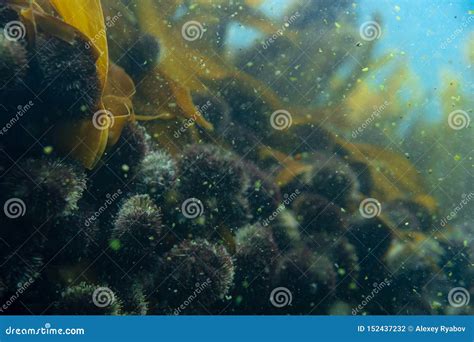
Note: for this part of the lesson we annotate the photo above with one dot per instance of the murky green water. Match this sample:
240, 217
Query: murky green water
252, 157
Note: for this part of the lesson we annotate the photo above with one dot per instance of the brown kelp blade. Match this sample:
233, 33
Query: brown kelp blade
87, 17
82, 140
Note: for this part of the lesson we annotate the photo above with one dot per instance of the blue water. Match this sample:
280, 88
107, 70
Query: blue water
420, 29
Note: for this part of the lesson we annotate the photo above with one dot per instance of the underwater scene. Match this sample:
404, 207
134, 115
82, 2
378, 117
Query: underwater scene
244, 157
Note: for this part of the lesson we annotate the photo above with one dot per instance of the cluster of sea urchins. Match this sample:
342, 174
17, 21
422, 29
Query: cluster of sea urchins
196, 234
203, 231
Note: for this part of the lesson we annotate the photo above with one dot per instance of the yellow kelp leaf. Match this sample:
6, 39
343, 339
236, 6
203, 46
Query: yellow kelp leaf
87, 139
176, 48
82, 140
265, 92
392, 174
179, 77
119, 82
87, 17
289, 171
427, 201
291, 168
160, 96
187, 65
34, 17
185, 102
117, 100
120, 110
365, 98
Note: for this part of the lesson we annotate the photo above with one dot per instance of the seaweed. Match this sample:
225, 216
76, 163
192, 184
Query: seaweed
160, 170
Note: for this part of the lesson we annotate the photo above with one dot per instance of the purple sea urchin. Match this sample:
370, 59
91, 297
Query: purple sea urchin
316, 213
306, 274
196, 262
142, 56
49, 188
68, 69
88, 299
137, 229
210, 171
218, 180
156, 174
262, 194
127, 154
334, 180
256, 256
256, 251
72, 238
